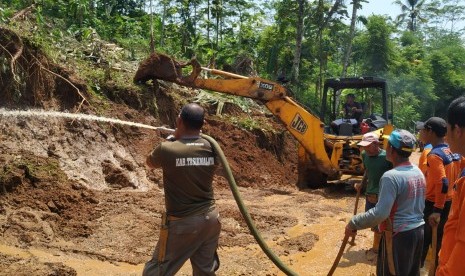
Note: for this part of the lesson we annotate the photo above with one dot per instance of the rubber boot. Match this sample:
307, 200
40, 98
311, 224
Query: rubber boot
376, 240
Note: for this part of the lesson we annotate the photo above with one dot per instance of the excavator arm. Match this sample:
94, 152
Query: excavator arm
303, 125
307, 129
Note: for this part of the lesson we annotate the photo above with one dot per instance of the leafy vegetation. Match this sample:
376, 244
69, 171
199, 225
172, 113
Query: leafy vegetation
421, 52
33, 169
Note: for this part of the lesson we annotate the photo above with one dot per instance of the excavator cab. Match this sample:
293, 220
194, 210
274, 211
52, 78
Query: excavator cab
369, 94
341, 133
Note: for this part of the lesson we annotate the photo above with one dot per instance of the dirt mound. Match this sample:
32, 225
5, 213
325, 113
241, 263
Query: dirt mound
258, 158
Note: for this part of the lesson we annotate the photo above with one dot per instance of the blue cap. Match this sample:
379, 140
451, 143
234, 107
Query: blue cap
403, 140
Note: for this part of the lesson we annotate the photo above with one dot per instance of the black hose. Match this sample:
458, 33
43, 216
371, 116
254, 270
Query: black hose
248, 219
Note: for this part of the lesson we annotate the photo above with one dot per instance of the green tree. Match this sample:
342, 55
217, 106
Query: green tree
298, 41
356, 5
325, 21
412, 12
447, 60
409, 80
443, 16
377, 46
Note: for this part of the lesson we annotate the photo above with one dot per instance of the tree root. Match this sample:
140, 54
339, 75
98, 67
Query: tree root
22, 13
17, 54
42, 67
14, 47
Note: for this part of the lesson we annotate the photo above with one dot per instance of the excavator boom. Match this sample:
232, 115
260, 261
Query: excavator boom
255, 88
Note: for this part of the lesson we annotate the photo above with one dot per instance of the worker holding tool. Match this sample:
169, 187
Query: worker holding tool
399, 210
190, 227
375, 163
452, 254
443, 168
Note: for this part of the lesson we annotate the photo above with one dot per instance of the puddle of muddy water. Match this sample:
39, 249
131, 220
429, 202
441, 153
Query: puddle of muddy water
356, 259
318, 261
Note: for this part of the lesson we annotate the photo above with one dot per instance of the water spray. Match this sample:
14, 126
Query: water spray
74, 116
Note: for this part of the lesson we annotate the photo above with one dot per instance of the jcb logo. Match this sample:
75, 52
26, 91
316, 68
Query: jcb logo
299, 124
264, 85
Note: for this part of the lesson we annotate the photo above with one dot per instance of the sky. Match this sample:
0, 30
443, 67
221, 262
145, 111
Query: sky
385, 7
379, 7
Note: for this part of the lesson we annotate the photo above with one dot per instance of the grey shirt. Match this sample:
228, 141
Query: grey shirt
401, 197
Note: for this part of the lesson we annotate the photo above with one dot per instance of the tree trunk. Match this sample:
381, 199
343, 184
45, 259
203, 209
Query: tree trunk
221, 22
163, 22
323, 23
195, 19
348, 52
320, 14
92, 7
208, 24
152, 40
331, 12
240, 23
298, 42
218, 20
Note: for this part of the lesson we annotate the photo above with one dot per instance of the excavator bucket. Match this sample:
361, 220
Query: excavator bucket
162, 67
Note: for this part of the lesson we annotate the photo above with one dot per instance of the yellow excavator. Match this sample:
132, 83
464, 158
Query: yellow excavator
324, 154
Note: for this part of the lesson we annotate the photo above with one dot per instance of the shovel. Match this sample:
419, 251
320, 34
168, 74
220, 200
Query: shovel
339, 255
434, 244
346, 237
357, 198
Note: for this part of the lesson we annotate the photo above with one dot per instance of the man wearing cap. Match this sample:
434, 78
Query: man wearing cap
452, 254
375, 163
190, 227
399, 210
443, 167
